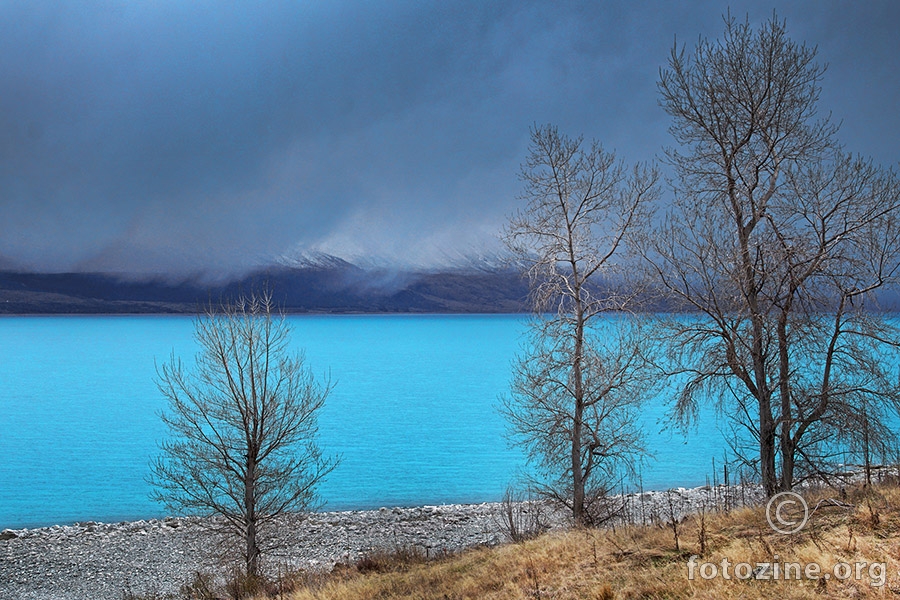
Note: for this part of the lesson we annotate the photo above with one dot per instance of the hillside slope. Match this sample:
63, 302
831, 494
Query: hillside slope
334, 288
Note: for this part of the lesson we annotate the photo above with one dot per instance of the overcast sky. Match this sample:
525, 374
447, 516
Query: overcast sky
209, 137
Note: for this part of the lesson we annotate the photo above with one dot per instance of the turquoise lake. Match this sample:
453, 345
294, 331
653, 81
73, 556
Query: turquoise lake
413, 413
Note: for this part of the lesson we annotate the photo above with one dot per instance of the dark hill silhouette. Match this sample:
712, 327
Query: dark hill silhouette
336, 287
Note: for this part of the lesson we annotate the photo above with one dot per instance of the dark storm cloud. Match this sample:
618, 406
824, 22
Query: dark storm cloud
192, 136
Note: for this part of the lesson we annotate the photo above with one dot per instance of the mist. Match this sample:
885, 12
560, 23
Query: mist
211, 139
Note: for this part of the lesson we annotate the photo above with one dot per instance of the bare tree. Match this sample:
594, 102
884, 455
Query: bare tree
242, 426
778, 241
575, 389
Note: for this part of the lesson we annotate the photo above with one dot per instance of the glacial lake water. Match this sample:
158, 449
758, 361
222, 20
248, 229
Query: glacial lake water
413, 413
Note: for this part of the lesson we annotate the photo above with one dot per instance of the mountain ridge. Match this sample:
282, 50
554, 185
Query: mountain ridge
329, 285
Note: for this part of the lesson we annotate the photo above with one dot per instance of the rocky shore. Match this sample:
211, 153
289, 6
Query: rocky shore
103, 561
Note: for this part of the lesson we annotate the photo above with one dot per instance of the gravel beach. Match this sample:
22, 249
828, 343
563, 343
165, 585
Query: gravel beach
101, 561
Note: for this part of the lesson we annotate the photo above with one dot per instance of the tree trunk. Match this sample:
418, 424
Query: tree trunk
252, 550
787, 421
867, 458
767, 448
578, 513
251, 546
767, 429
787, 465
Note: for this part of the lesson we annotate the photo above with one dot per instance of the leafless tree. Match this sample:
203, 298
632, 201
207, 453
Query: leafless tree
778, 242
242, 426
574, 391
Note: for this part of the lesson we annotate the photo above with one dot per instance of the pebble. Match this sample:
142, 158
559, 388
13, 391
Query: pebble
106, 561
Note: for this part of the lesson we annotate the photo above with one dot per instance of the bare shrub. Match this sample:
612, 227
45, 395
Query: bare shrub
520, 518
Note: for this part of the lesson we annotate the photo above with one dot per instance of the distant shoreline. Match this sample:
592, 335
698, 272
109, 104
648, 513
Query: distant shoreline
287, 313
691, 494
336, 287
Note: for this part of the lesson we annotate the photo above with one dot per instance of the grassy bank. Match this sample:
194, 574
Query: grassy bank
858, 528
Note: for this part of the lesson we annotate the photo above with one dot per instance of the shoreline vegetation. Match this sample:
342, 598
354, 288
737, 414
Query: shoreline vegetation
455, 551
154, 559
847, 549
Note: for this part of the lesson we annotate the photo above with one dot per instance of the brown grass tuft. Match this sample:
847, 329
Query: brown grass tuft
634, 563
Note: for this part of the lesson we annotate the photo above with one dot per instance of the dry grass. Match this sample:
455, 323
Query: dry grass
641, 562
